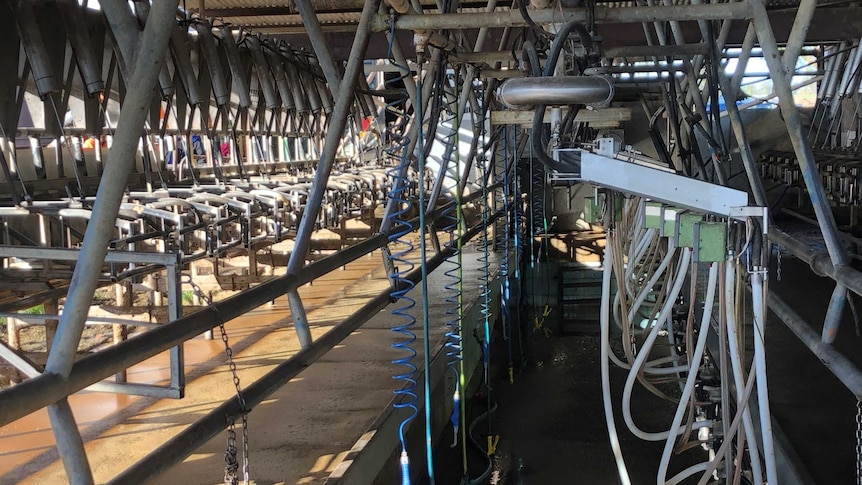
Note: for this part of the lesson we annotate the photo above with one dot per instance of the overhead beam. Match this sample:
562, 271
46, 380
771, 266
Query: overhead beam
657, 50
512, 117
329, 6
512, 18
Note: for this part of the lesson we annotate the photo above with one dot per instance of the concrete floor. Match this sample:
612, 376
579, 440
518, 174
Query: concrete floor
298, 436
816, 412
551, 418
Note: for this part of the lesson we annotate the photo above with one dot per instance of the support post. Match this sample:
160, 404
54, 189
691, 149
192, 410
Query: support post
175, 311
327, 159
150, 58
300, 319
798, 33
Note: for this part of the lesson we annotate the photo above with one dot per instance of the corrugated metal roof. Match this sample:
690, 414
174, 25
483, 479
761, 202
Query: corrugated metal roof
291, 20
223, 4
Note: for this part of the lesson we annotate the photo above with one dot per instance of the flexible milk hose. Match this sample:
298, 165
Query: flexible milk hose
606, 384
647, 289
736, 365
679, 477
757, 298
649, 367
644, 353
691, 380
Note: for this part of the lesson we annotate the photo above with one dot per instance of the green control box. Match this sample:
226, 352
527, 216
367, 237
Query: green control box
653, 215
685, 238
710, 242
592, 211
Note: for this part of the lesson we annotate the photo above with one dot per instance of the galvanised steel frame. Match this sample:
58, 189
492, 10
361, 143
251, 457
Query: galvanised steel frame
142, 69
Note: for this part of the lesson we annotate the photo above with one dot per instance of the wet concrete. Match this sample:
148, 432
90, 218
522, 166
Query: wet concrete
298, 436
551, 419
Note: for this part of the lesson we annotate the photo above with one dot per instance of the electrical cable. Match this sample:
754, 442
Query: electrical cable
423, 233
453, 218
505, 311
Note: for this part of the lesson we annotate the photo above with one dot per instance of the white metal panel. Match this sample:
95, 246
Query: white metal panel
659, 185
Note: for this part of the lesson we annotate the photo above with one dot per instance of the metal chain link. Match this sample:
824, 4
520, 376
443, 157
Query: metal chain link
778, 270
231, 464
859, 442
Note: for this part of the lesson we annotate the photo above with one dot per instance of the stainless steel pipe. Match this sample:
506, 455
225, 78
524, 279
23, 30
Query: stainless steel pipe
596, 91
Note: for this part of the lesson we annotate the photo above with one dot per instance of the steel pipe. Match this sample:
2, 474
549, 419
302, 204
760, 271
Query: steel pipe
512, 18
127, 34
557, 90
150, 57
149, 60
332, 140
798, 33
839, 365
798, 136
819, 261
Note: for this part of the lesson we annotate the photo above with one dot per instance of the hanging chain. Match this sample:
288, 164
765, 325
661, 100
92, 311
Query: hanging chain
231, 464
778, 270
859, 442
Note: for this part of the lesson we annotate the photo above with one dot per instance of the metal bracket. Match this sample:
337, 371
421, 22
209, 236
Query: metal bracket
745, 212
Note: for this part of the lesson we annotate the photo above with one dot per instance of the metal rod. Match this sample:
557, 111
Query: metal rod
819, 261
839, 365
744, 54
332, 140
330, 149
150, 57
69, 443
798, 33
321, 47
300, 319
834, 312
657, 50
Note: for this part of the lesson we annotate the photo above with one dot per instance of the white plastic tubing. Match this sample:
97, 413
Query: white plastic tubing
759, 309
644, 352
606, 383
691, 379
737, 366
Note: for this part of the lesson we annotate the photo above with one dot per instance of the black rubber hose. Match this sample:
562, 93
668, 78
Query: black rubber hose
655, 136
522, 8
560, 40
537, 137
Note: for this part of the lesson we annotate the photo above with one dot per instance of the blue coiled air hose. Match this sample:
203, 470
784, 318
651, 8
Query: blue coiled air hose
400, 248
